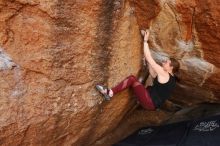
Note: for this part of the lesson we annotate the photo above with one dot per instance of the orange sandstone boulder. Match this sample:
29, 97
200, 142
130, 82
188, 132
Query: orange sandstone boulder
53, 53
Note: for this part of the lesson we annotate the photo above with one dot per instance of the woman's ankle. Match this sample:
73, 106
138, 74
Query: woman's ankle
110, 93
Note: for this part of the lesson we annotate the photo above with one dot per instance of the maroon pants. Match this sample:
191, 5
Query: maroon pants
140, 91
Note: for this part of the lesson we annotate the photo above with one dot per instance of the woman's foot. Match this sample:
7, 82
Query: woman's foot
108, 93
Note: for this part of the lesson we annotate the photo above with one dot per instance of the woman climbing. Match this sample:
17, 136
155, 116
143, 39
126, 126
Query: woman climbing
164, 81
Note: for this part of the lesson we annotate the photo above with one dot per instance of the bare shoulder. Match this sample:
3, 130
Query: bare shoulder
163, 78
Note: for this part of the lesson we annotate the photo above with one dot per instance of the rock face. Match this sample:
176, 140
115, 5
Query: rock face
52, 53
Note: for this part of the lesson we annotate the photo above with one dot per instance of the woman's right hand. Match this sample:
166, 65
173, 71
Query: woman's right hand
146, 35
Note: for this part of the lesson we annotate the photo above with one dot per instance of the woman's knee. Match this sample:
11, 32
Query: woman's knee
132, 77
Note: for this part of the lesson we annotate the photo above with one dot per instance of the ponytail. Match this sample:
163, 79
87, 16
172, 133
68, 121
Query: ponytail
176, 65
177, 76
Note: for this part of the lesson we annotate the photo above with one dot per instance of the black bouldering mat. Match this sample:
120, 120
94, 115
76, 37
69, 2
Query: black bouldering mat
201, 132
169, 135
140, 137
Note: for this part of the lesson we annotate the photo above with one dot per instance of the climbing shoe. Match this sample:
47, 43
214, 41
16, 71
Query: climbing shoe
104, 91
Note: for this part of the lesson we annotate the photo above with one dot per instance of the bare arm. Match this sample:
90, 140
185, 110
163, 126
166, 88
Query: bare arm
156, 67
151, 71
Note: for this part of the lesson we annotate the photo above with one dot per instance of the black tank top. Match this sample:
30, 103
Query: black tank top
160, 92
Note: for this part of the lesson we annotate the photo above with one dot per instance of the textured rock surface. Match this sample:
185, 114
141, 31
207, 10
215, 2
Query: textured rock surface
54, 52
